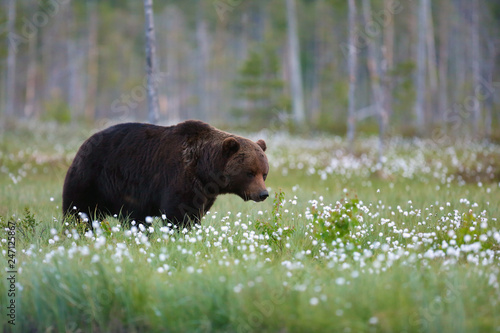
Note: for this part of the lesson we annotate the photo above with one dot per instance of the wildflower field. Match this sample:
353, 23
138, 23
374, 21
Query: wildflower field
344, 244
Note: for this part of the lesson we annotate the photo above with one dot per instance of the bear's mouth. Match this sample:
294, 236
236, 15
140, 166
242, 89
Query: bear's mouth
247, 197
244, 196
257, 197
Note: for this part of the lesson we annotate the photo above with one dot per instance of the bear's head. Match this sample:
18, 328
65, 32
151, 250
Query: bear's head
246, 168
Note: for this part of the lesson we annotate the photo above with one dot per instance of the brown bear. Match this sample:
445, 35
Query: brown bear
138, 170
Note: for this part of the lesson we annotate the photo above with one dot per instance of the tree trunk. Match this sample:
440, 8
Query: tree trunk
29, 104
443, 63
421, 66
92, 61
74, 61
10, 93
388, 59
488, 102
352, 64
375, 79
476, 60
172, 25
431, 64
459, 50
203, 53
153, 113
314, 105
294, 59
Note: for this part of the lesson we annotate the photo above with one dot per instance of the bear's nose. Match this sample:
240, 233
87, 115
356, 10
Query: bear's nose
263, 195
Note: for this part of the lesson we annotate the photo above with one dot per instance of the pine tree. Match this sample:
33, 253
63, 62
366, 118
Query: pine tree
259, 89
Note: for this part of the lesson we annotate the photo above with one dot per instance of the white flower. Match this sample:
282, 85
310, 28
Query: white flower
340, 281
314, 301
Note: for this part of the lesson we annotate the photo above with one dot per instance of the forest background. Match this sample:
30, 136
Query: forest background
397, 67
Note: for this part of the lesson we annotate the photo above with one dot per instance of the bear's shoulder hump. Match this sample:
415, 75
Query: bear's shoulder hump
193, 127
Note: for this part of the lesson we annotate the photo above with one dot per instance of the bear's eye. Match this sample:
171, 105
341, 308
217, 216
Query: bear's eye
265, 176
250, 174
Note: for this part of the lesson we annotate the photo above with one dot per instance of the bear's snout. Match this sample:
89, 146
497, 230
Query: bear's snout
257, 196
263, 195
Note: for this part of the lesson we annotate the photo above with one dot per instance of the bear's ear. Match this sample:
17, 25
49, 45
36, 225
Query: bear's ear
262, 144
230, 146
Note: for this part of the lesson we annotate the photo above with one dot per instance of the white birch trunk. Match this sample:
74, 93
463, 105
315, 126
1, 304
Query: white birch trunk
431, 63
202, 68
11, 62
476, 60
29, 104
92, 62
443, 62
488, 102
151, 67
352, 64
421, 66
388, 60
294, 60
377, 91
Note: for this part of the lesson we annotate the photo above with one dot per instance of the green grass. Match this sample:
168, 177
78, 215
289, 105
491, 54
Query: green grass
412, 245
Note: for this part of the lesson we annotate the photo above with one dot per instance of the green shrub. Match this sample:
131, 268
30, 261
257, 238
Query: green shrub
333, 223
274, 229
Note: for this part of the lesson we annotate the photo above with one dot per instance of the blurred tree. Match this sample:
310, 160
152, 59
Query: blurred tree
92, 60
352, 62
460, 66
316, 58
388, 52
151, 67
296, 88
431, 65
376, 77
29, 105
203, 55
492, 52
87, 59
13, 48
421, 65
259, 89
476, 61
443, 60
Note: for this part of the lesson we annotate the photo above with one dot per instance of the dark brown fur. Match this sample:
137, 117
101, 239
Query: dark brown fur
139, 170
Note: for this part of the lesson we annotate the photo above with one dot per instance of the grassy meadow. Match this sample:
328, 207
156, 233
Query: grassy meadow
344, 244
